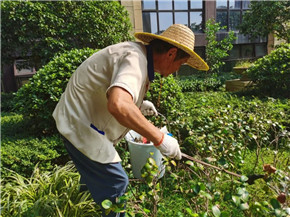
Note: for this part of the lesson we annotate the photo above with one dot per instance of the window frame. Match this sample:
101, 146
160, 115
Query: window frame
241, 9
173, 11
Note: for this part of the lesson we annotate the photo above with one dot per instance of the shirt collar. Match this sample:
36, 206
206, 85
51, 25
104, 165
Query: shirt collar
150, 65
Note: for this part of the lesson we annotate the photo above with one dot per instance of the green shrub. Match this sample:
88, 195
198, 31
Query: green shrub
15, 125
272, 73
6, 102
166, 94
21, 155
192, 83
213, 122
189, 85
53, 193
216, 51
204, 81
38, 98
44, 28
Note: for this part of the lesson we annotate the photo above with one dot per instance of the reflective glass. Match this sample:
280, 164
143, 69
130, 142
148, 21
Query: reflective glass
234, 20
149, 4
181, 18
180, 4
235, 52
196, 21
221, 4
246, 4
247, 51
235, 4
165, 20
164, 4
261, 50
221, 17
196, 4
150, 22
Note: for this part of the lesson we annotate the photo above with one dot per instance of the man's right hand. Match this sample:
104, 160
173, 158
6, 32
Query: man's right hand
169, 147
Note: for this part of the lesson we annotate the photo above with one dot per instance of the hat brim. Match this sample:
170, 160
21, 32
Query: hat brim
195, 61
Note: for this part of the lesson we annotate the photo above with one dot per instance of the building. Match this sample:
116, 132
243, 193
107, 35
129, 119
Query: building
156, 15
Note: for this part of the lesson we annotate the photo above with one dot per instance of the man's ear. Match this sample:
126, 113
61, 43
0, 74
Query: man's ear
172, 52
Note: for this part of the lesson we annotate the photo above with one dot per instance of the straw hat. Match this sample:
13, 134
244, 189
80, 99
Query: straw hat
181, 37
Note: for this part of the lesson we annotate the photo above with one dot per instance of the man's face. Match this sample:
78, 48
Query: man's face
165, 64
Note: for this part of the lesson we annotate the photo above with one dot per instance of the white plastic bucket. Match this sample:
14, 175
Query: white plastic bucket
139, 154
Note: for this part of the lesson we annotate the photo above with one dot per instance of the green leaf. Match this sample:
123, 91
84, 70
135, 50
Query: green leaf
196, 188
244, 206
275, 203
190, 163
204, 214
225, 214
107, 204
216, 211
207, 195
244, 178
245, 196
236, 200
278, 212
190, 212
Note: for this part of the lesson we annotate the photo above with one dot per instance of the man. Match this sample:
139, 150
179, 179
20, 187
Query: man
104, 99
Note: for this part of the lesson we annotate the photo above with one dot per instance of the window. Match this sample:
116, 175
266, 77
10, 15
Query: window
229, 13
158, 15
248, 51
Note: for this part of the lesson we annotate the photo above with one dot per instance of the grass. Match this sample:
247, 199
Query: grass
53, 193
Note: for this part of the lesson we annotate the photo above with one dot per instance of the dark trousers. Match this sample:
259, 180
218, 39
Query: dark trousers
104, 181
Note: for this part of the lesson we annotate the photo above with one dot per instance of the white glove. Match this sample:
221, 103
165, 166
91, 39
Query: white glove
147, 108
170, 147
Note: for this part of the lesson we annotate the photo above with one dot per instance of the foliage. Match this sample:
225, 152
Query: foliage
22, 149
21, 155
209, 84
38, 98
6, 102
14, 125
167, 96
244, 63
229, 131
42, 29
271, 73
204, 82
53, 193
217, 50
267, 17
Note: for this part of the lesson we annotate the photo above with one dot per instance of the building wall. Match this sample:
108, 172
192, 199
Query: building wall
135, 12
134, 8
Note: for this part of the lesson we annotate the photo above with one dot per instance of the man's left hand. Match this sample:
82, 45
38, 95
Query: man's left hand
148, 109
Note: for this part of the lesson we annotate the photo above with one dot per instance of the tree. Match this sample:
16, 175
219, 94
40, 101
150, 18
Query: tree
217, 50
41, 29
267, 17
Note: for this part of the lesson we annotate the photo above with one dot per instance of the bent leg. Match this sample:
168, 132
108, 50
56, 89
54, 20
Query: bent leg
104, 181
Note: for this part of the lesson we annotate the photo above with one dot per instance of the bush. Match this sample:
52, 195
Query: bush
166, 94
218, 122
21, 155
14, 125
44, 28
203, 81
53, 193
38, 98
216, 51
6, 102
272, 73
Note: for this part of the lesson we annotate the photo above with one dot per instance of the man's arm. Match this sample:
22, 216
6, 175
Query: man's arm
122, 107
